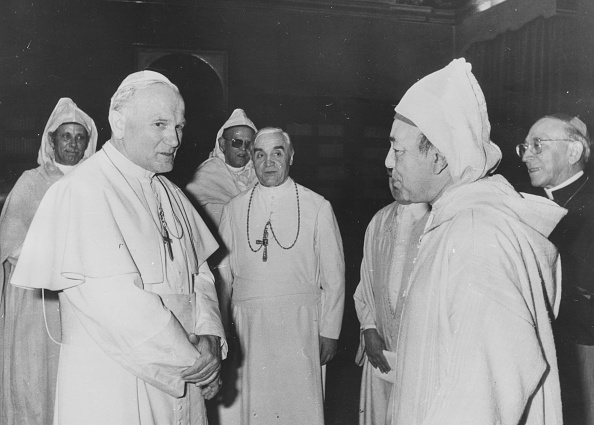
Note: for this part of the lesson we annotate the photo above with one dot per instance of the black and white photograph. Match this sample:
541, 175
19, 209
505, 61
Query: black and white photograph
296, 212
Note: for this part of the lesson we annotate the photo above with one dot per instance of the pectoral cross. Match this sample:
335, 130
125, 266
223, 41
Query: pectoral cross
165, 233
167, 242
264, 243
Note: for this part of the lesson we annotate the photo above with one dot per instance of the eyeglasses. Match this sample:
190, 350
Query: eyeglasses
239, 143
536, 146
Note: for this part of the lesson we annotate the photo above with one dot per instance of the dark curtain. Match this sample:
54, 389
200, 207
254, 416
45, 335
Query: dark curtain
525, 74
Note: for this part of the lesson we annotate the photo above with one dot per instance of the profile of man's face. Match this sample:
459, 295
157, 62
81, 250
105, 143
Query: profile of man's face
410, 168
272, 156
70, 142
152, 125
235, 144
552, 165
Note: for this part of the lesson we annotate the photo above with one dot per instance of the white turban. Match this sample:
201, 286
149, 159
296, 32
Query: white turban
238, 117
66, 112
448, 106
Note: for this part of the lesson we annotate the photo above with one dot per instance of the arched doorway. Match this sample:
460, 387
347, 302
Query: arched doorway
201, 79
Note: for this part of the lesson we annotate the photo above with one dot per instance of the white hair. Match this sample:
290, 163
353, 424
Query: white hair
134, 82
124, 95
273, 130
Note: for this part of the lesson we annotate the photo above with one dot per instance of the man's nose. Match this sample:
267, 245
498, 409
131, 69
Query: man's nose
390, 159
527, 155
173, 138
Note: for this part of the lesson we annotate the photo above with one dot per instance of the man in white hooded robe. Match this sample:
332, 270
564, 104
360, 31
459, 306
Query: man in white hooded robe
474, 343
228, 172
229, 169
28, 356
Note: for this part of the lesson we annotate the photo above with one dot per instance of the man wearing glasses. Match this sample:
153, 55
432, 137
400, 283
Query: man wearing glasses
556, 152
229, 170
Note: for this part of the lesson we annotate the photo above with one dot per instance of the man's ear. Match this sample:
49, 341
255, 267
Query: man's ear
291, 160
117, 121
222, 144
439, 163
576, 150
50, 135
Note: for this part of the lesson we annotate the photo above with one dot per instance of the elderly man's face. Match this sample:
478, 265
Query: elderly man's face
235, 144
272, 157
153, 124
70, 142
411, 169
552, 165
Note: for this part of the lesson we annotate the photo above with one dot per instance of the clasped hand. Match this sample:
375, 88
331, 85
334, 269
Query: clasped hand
205, 371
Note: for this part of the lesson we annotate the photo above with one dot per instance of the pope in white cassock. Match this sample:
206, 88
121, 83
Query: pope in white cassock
285, 275
141, 332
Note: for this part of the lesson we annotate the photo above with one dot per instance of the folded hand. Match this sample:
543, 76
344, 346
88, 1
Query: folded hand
205, 371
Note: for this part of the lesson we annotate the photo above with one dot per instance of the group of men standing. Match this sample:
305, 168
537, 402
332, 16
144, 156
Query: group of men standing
460, 284
281, 276
461, 277
139, 326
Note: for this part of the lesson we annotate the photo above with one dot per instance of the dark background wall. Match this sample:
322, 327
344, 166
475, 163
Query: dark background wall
283, 67
330, 80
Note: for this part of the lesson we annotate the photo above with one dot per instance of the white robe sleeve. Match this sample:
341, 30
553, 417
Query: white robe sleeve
208, 320
364, 298
225, 270
328, 249
134, 328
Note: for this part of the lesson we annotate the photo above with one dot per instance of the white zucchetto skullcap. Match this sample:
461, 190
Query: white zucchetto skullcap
449, 108
141, 79
579, 125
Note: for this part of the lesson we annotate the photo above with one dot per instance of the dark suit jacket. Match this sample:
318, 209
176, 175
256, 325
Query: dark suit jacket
574, 237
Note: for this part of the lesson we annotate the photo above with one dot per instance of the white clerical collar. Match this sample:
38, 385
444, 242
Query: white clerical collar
124, 164
277, 190
567, 182
65, 169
